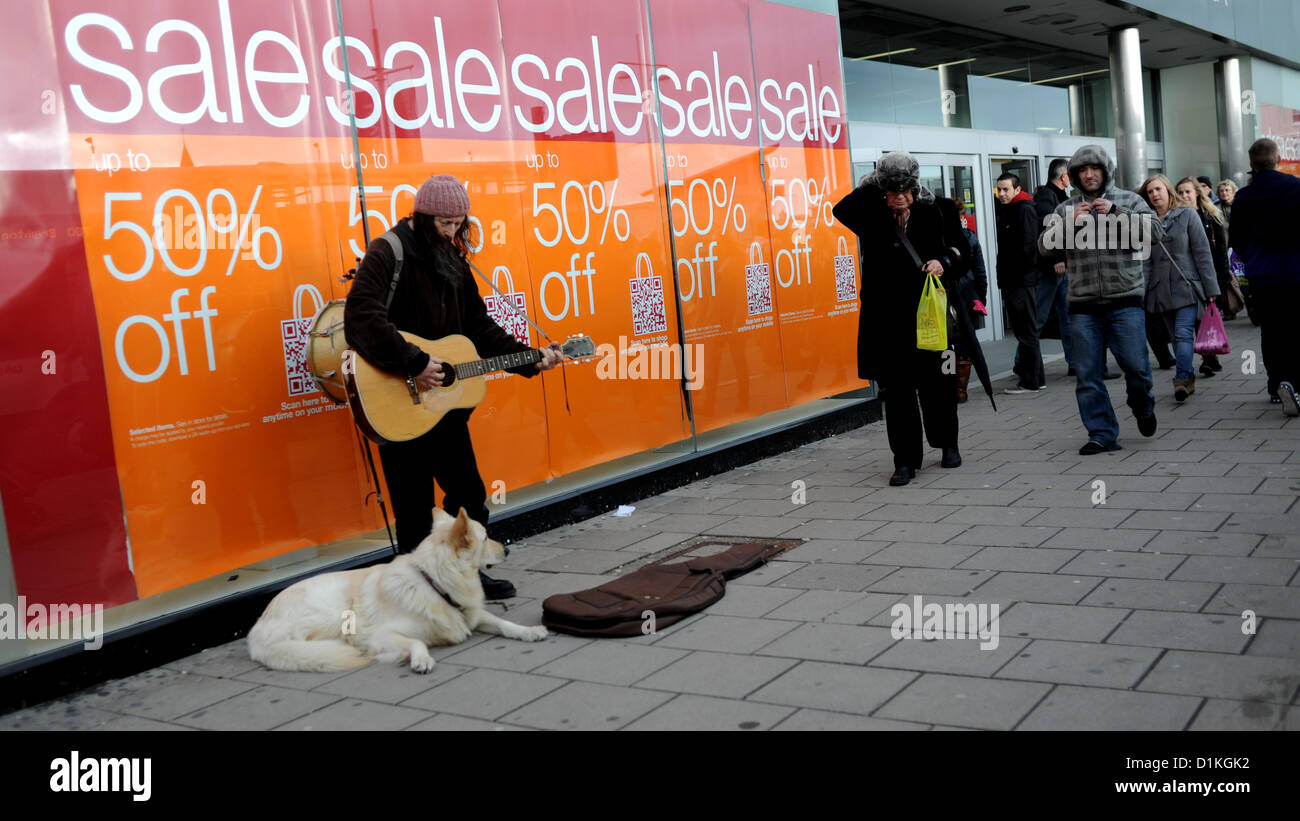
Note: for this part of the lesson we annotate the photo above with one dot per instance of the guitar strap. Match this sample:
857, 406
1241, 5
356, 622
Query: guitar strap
564, 375
396, 242
508, 303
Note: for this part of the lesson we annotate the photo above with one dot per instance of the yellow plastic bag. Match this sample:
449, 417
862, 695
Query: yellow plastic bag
932, 316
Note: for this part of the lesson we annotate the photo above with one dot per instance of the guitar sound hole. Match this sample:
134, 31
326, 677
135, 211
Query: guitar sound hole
448, 374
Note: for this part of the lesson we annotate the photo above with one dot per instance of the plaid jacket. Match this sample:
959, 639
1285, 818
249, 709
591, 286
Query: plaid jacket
1105, 270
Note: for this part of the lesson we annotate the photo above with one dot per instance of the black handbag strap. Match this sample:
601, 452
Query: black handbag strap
902, 236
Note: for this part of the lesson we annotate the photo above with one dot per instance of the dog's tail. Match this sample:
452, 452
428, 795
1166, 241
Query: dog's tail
298, 655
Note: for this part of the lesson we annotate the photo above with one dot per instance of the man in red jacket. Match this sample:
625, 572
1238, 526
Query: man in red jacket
1018, 278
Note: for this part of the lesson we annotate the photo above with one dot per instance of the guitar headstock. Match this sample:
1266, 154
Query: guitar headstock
578, 347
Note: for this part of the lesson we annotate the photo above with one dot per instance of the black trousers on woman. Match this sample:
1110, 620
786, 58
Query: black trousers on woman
444, 454
919, 378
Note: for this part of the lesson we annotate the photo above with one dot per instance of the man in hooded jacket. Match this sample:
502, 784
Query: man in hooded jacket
1105, 232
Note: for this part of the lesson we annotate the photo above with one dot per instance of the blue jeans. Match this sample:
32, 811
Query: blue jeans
1049, 297
1184, 320
1123, 330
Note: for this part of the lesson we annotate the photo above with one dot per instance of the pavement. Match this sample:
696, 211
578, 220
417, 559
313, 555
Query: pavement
1153, 588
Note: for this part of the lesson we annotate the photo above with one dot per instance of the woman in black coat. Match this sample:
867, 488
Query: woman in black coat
892, 281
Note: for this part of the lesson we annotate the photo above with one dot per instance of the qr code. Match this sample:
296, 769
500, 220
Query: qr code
649, 316
513, 322
846, 279
758, 289
294, 335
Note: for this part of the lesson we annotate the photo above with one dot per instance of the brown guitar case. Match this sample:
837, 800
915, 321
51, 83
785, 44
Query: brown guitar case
670, 591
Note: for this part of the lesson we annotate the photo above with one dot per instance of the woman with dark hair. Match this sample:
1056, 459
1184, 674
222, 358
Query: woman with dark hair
435, 296
906, 235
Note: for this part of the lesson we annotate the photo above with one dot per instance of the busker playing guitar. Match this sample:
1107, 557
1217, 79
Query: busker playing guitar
436, 296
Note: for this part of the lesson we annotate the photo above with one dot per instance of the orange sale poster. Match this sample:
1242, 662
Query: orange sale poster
654, 174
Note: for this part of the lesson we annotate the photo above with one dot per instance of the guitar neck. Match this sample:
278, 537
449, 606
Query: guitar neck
479, 367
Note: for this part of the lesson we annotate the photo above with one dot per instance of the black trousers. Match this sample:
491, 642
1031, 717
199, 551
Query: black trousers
444, 454
900, 391
1022, 311
1277, 307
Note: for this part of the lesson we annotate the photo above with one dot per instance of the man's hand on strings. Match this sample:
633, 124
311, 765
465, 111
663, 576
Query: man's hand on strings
551, 357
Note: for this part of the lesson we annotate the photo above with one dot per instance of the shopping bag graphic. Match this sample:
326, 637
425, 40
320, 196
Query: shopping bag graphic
294, 338
649, 314
498, 305
846, 275
1212, 338
758, 282
932, 316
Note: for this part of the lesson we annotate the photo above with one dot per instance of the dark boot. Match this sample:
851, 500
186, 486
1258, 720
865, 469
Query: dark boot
963, 378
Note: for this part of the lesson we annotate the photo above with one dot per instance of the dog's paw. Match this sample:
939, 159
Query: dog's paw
421, 662
534, 633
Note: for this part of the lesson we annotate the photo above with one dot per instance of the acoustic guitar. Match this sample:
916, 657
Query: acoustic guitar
390, 408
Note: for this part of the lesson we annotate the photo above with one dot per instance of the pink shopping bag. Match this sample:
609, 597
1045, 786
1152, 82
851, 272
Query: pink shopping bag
1212, 338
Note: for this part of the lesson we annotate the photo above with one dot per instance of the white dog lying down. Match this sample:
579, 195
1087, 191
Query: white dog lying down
393, 611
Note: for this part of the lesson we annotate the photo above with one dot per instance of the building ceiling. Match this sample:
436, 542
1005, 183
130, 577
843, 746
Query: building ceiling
1034, 40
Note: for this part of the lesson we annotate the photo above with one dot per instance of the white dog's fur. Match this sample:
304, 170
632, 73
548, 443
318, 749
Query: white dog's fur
339, 621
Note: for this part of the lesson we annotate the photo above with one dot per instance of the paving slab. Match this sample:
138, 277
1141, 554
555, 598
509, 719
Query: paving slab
262, 708
1222, 714
1061, 621
1093, 708
705, 713
965, 701
1072, 662
485, 694
585, 706
837, 687
1123, 564
717, 674
358, 714
1146, 594
805, 720
1048, 588
1220, 675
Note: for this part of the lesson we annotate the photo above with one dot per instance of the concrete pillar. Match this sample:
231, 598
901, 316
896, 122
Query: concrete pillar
1078, 119
1233, 162
1130, 114
955, 95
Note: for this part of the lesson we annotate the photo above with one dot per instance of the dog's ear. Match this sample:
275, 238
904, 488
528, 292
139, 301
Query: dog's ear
458, 538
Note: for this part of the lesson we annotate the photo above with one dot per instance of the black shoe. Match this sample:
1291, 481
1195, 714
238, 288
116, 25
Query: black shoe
1213, 361
1274, 399
1147, 425
1207, 370
1094, 447
1108, 375
951, 458
902, 476
1290, 399
495, 589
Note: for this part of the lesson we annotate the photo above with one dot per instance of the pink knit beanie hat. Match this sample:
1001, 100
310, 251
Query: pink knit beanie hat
442, 195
